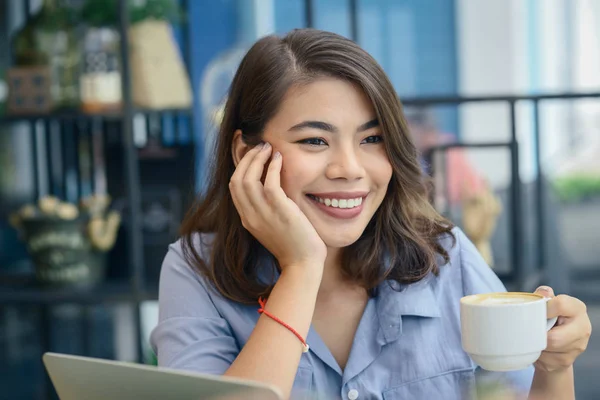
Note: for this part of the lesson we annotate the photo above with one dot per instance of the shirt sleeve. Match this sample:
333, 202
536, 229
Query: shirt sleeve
191, 334
478, 277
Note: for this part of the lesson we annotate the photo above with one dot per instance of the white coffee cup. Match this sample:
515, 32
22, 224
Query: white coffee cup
504, 331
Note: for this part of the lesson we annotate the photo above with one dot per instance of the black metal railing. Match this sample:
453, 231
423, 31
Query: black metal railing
518, 275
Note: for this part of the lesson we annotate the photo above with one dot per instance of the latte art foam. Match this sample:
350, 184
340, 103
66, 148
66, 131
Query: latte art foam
491, 300
501, 298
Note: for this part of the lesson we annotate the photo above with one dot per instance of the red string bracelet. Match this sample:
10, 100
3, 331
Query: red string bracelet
262, 310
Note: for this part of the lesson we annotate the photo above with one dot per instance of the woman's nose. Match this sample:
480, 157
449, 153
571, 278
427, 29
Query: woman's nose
345, 164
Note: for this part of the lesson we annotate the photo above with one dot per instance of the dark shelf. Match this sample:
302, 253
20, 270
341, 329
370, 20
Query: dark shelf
75, 115
107, 292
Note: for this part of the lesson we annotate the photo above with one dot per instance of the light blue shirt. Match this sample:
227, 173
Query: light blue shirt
407, 345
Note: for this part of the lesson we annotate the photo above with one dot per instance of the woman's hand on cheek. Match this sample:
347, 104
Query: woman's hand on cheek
269, 215
569, 337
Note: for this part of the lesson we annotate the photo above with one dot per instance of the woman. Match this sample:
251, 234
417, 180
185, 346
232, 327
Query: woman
316, 202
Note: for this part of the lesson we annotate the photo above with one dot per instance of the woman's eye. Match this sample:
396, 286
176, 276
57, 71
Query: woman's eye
373, 139
313, 142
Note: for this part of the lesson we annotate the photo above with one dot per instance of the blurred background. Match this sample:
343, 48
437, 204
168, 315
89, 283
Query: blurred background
108, 107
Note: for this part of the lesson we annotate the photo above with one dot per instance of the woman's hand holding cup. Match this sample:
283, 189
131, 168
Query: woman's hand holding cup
270, 216
569, 337
509, 331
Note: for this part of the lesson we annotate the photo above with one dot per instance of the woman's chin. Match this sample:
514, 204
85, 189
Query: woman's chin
339, 241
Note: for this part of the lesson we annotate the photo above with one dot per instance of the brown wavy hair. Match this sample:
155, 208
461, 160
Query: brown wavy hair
401, 242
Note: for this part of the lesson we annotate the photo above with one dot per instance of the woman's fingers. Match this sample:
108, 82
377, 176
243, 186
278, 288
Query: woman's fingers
562, 338
256, 166
240, 170
565, 306
565, 336
570, 336
273, 191
252, 184
578, 346
236, 184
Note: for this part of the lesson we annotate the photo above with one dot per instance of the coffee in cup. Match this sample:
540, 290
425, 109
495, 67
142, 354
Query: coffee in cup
502, 298
504, 331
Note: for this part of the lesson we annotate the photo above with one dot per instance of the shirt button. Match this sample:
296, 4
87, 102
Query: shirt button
353, 394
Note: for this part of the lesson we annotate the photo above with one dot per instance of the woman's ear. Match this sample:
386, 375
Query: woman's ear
238, 147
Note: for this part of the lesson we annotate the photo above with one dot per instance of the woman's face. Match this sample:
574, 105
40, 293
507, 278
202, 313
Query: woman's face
335, 167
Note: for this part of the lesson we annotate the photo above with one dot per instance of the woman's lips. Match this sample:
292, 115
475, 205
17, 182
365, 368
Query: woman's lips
337, 212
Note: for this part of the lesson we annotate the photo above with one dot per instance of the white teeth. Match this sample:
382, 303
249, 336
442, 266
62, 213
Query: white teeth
340, 203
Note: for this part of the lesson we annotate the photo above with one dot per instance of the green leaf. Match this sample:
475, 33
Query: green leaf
576, 187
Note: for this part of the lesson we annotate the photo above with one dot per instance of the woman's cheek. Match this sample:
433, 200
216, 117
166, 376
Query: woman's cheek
291, 175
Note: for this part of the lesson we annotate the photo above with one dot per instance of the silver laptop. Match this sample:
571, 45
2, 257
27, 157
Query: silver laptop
84, 378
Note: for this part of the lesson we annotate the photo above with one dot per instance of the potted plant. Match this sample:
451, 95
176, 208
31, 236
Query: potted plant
579, 215
577, 187
68, 243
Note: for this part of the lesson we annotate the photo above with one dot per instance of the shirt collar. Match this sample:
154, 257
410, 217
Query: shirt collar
396, 300
393, 301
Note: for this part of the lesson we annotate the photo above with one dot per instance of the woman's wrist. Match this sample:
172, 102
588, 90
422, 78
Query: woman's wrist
553, 385
307, 272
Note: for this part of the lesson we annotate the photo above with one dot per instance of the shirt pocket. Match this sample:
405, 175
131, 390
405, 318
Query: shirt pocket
453, 385
302, 388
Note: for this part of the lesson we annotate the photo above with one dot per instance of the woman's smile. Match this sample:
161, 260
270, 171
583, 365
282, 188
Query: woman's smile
342, 205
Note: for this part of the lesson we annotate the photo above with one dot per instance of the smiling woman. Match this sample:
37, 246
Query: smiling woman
314, 261
332, 113
332, 159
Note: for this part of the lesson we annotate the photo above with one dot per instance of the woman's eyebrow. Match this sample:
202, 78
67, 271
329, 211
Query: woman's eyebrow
324, 126
368, 125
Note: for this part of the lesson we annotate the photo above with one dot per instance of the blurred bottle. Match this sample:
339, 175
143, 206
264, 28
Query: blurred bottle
100, 84
49, 39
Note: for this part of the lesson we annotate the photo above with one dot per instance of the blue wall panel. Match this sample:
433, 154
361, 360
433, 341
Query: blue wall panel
332, 15
415, 42
212, 30
289, 15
